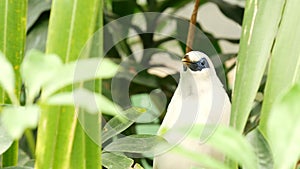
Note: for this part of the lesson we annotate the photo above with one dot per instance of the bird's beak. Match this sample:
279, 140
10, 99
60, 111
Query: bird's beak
186, 60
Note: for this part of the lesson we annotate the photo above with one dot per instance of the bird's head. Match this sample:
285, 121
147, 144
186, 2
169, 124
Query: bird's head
197, 63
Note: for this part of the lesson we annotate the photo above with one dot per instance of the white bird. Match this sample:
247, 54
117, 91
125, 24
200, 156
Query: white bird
199, 99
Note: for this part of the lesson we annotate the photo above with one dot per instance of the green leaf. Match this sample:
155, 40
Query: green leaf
202, 159
35, 9
79, 71
137, 166
116, 161
260, 27
283, 72
16, 119
154, 106
144, 144
283, 129
18, 167
147, 128
37, 37
7, 77
12, 43
120, 123
70, 28
90, 101
262, 149
5, 139
36, 69
72, 23
13, 30
237, 147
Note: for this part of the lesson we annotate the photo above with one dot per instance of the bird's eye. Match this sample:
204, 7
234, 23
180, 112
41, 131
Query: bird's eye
202, 62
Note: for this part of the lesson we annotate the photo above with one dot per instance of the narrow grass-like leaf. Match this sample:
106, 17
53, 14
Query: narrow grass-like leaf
285, 59
262, 149
283, 129
18, 167
12, 42
260, 25
72, 22
12, 35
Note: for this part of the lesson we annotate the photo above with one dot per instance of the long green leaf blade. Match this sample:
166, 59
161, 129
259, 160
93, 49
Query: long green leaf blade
12, 42
283, 129
71, 24
260, 26
285, 59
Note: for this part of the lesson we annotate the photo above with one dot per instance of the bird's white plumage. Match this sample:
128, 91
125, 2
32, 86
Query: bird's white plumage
198, 99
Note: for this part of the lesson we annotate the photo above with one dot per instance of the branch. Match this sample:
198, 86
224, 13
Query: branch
191, 33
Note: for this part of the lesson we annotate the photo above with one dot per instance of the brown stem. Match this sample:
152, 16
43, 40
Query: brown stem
191, 33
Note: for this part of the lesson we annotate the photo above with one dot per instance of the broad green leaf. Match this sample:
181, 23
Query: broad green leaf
90, 101
116, 161
202, 159
120, 123
237, 147
283, 72
147, 128
16, 119
145, 144
260, 26
5, 139
35, 9
79, 71
283, 129
262, 149
36, 69
7, 77
154, 104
